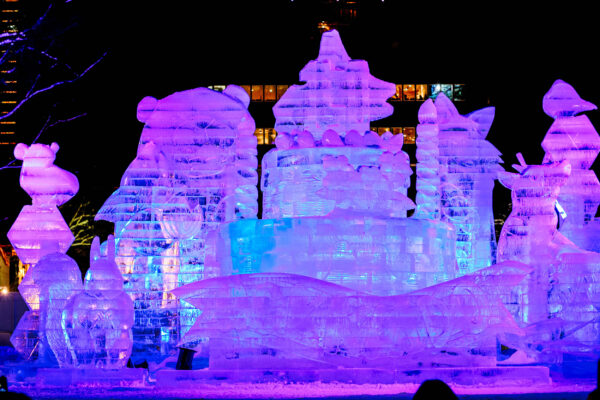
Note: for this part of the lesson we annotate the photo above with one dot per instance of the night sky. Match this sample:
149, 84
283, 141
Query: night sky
508, 56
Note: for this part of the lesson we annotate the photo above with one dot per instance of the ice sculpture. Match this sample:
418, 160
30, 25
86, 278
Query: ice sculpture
572, 137
278, 320
467, 167
195, 168
40, 225
97, 322
46, 288
339, 94
373, 255
40, 231
428, 166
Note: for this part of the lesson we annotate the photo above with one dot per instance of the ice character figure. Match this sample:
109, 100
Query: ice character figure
307, 323
572, 137
97, 322
195, 168
339, 94
428, 165
46, 288
468, 167
48, 186
530, 232
39, 230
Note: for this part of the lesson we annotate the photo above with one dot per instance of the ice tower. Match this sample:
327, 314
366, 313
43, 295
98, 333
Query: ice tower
339, 94
572, 137
41, 233
195, 169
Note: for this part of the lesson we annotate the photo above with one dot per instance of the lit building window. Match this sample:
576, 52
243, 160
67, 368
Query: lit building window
447, 90
247, 89
270, 93
270, 134
397, 130
410, 134
422, 92
398, 95
408, 92
260, 135
257, 93
281, 89
458, 93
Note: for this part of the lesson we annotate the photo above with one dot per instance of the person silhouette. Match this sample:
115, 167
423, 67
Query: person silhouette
434, 389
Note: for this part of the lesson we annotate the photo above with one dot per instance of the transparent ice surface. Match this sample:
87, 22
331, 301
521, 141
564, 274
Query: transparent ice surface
373, 255
195, 168
97, 323
461, 184
40, 237
271, 320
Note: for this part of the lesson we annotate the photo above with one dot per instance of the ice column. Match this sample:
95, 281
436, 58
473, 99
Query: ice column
428, 166
97, 322
195, 169
572, 137
40, 230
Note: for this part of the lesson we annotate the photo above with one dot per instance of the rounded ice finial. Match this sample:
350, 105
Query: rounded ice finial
283, 141
427, 112
238, 93
372, 139
387, 135
353, 138
331, 138
305, 139
563, 101
394, 144
445, 108
145, 108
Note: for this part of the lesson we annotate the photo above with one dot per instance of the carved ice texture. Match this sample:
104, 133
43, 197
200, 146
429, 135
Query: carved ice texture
97, 322
572, 137
278, 320
326, 159
41, 233
373, 255
46, 288
462, 183
558, 302
339, 94
195, 169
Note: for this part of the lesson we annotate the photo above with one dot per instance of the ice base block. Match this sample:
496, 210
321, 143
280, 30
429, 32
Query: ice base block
92, 377
467, 376
379, 256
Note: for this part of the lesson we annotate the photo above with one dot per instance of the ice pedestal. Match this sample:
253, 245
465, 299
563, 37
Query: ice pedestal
374, 255
286, 321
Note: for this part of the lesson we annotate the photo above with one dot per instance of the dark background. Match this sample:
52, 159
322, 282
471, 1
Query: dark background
508, 56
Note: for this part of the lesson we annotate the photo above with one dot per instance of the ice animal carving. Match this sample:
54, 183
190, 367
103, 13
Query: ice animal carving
39, 231
468, 166
97, 322
46, 288
572, 137
40, 225
195, 169
339, 94
295, 322
529, 234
